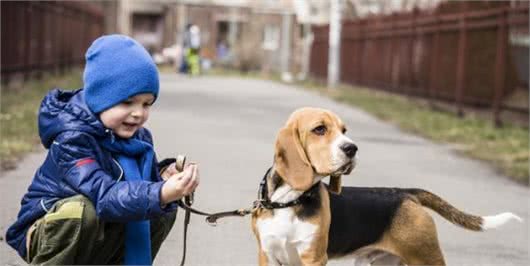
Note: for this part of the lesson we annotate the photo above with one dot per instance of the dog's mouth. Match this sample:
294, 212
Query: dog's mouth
345, 169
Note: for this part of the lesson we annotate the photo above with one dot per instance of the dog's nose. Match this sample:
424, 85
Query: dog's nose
349, 149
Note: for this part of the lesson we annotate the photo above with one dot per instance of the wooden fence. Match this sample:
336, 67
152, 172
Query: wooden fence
459, 53
46, 36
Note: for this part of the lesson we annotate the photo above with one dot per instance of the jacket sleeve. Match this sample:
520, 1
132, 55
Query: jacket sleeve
76, 155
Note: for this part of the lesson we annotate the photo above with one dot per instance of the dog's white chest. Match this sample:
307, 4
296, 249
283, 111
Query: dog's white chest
284, 237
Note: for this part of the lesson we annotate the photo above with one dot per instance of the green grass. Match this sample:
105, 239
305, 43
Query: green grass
18, 114
506, 148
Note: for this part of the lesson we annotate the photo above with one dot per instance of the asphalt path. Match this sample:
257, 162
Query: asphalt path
228, 126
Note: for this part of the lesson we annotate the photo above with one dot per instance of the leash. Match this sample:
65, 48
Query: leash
186, 203
263, 201
187, 216
180, 162
211, 219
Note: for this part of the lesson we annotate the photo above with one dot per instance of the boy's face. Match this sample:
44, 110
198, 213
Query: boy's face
125, 118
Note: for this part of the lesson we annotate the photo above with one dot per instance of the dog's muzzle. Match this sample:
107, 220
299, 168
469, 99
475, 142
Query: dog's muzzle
349, 149
345, 169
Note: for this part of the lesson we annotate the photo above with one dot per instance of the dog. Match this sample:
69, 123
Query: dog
303, 221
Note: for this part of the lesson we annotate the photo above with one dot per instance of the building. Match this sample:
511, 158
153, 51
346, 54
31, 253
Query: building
269, 36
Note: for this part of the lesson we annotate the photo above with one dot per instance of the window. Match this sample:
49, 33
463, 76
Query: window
271, 37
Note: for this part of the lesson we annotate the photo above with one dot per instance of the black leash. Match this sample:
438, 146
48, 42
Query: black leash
211, 219
263, 201
185, 203
187, 216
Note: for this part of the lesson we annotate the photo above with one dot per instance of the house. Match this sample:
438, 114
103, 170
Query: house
269, 35
152, 23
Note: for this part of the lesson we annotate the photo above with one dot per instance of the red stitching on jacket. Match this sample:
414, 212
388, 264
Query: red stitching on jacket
84, 161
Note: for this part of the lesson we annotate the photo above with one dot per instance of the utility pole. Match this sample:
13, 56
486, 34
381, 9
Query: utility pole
232, 28
306, 50
334, 43
286, 47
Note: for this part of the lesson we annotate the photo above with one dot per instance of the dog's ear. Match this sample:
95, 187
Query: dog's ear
290, 159
335, 185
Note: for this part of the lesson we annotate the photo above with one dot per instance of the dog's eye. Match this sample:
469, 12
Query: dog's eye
320, 130
344, 130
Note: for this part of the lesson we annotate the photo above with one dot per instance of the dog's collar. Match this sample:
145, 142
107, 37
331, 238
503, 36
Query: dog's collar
265, 202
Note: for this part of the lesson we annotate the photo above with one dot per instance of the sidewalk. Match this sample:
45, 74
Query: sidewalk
228, 125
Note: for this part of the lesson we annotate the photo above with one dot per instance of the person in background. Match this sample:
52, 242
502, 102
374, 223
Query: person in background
193, 57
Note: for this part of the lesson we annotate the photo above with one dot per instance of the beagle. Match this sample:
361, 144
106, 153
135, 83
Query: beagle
373, 225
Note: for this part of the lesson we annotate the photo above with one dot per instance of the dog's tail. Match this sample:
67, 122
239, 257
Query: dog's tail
458, 217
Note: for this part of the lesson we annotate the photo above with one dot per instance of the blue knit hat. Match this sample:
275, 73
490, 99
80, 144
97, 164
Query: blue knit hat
117, 68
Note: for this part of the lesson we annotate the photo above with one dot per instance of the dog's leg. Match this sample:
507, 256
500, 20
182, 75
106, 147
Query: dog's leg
431, 256
431, 259
413, 236
376, 255
262, 258
314, 252
313, 258
427, 250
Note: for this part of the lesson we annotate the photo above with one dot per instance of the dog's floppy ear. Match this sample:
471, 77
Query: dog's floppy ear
335, 185
290, 159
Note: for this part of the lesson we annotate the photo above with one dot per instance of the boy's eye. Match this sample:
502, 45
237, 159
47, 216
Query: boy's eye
147, 104
127, 102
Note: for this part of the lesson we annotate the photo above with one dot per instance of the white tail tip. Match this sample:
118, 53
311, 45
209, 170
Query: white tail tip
494, 221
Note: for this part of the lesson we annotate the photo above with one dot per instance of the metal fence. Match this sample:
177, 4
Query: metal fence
459, 53
46, 36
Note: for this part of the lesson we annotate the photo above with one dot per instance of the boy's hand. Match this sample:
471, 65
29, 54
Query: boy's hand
181, 184
172, 170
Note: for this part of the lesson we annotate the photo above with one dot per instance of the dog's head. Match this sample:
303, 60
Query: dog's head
313, 143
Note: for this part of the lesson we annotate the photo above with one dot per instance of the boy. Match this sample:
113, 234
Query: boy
98, 197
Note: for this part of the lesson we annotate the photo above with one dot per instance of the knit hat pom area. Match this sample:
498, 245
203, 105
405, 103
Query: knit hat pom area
117, 68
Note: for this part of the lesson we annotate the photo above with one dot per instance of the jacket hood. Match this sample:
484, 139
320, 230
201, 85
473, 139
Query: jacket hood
64, 111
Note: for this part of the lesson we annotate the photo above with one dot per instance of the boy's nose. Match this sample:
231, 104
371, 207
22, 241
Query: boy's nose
138, 112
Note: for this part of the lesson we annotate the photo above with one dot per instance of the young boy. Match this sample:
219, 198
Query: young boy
98, 198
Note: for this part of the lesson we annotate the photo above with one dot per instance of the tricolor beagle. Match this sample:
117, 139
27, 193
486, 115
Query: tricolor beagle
374, 225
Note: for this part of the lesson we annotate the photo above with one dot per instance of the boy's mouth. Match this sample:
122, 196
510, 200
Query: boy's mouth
129, 125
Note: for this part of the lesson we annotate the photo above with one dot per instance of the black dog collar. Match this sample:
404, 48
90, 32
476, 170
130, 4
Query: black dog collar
264, 201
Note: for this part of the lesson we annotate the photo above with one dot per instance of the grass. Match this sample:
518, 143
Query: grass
506, 148
18, 114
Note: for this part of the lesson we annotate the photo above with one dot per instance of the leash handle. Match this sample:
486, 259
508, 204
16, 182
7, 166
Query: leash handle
179, 165
180, 162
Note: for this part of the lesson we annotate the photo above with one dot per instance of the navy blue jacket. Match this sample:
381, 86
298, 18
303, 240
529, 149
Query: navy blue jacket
77, 164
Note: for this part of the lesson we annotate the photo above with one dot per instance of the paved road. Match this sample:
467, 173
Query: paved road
228, 125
